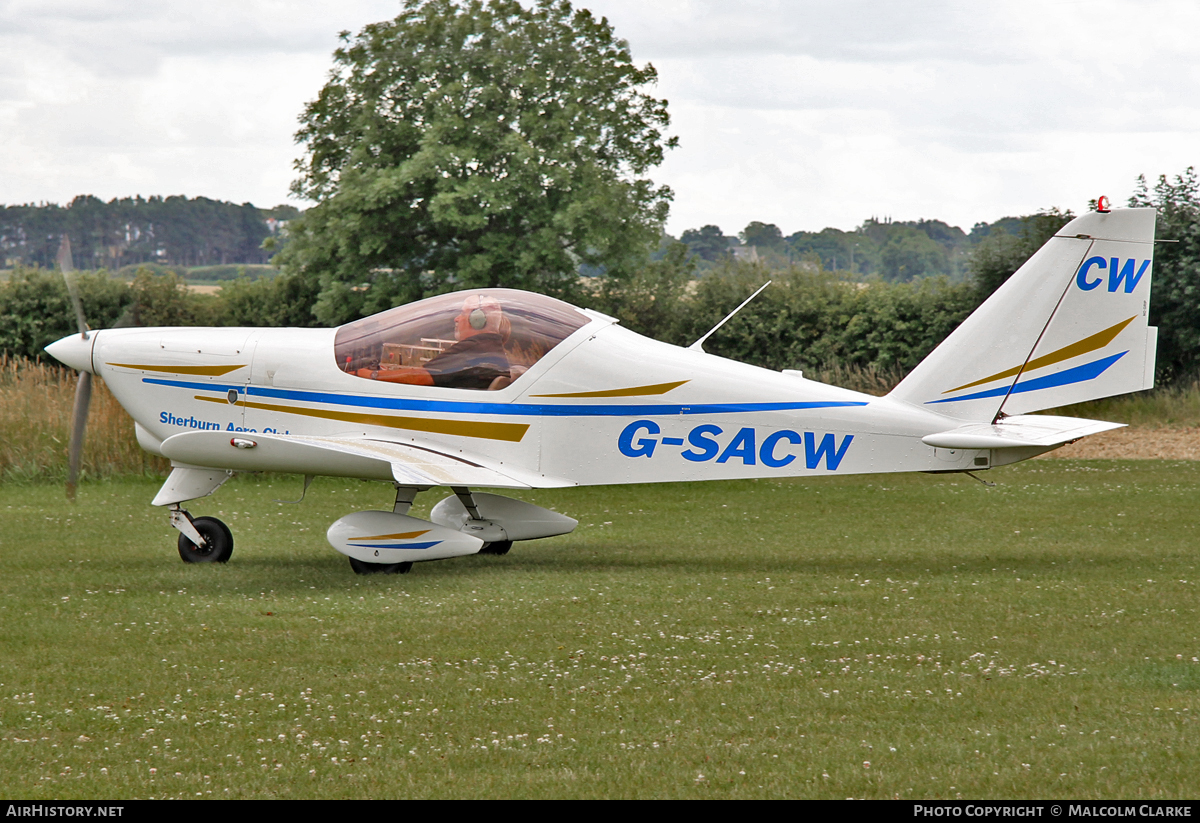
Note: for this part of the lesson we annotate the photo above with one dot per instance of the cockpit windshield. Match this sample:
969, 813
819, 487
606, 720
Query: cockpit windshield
483, 339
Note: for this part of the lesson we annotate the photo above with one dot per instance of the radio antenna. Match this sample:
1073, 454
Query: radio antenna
697, 346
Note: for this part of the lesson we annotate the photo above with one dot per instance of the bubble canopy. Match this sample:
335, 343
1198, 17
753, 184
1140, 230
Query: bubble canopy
483, 339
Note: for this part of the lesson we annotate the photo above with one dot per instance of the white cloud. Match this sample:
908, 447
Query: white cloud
961, 111
801, 112
115, 99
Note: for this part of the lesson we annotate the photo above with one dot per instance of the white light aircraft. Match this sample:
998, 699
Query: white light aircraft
510, 390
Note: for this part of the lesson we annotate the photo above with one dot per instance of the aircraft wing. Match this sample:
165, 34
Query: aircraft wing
1041, 430
366, 458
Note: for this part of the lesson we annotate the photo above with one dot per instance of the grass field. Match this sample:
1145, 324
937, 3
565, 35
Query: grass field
36, 402
908, 636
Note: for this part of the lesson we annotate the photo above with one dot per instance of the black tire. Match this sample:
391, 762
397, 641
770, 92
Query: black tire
499, 547
362, 567
218, 542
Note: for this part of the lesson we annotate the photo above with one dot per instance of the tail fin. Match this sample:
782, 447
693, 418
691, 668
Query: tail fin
1069, 326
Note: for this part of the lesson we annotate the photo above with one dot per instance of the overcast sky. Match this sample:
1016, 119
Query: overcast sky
801, 113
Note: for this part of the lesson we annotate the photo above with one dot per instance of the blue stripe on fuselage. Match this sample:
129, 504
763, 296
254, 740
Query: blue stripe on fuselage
525, 409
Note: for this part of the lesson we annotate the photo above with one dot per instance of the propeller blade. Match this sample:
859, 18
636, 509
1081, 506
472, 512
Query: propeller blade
83, 397
126, 318
83, 390
67, 267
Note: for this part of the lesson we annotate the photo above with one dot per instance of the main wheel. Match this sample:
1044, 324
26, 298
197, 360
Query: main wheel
218, 542
499, 547
362, 567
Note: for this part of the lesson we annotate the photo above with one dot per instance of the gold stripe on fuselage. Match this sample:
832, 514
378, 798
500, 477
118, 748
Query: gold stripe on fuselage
635, 391
202, 371
510, 432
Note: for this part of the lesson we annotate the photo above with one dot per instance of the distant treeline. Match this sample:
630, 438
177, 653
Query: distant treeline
897, 251
172, 231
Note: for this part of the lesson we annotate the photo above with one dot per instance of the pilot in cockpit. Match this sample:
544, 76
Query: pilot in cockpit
477, 359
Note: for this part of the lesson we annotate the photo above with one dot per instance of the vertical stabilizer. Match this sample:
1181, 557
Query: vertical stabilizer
1071, 325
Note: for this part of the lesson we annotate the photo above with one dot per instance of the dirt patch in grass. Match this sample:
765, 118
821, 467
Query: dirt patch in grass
1136, 444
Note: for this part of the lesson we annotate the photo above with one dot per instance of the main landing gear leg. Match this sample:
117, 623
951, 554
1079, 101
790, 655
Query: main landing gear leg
201, 539
468, 502
405, 495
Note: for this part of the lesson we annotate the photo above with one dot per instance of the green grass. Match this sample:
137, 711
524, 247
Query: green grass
1176, 406
912, 636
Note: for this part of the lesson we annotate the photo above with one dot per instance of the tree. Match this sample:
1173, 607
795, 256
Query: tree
278, 301
1175, 297
764, 235
708, 242
35, 309
651, 302
910, 253
135, 230
837, 250
1000, 253
164, 300
947, 236
472, 143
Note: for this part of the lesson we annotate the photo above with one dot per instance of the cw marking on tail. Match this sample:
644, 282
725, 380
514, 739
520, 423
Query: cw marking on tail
1115, 277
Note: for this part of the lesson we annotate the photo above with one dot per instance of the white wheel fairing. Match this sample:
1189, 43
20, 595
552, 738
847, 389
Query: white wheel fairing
515, 519
386, 537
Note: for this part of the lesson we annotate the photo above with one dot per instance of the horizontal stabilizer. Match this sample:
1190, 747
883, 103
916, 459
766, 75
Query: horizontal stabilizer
1036, 430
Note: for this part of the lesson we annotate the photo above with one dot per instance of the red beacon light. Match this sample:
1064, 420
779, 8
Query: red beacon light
1103, 205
